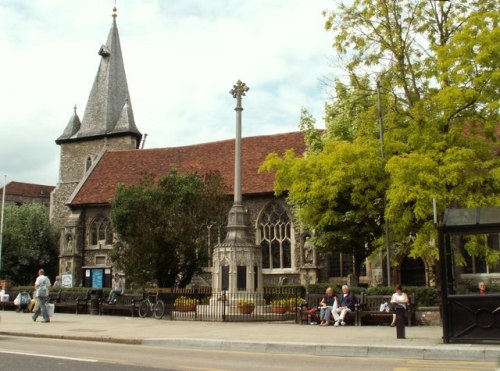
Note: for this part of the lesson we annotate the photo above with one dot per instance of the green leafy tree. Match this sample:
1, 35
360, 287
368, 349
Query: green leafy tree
29, 243
161, 225
337, 192
437, 65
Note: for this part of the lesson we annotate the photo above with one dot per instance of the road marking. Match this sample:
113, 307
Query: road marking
50, 356
444, 365
201, 369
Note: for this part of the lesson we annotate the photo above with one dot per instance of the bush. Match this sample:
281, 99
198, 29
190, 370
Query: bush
184, 300
320, 288
424, 296
283, 302
245, 303
470, 287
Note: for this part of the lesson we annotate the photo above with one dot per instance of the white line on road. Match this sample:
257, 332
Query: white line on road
49, 356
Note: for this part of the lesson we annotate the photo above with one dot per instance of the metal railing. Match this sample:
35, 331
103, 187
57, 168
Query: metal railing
203, 304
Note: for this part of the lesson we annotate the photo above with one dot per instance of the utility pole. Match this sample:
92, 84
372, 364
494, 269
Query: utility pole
1, 218
386, 223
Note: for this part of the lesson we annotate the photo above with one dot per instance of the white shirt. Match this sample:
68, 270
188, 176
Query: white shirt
42, 280
400, 299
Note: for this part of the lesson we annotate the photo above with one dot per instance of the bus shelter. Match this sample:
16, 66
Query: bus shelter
467, 318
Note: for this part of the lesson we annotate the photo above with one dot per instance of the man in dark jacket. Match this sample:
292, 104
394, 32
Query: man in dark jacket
347, 302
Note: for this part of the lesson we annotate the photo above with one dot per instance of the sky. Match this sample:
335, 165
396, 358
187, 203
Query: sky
181, 57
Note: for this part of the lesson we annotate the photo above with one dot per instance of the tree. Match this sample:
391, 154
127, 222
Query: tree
160, 225
337, 192
437, 64
29, 243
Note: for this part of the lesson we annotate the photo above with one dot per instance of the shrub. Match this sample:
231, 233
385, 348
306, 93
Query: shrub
283, 302
300, 301
245, 303
424, 296
184, 300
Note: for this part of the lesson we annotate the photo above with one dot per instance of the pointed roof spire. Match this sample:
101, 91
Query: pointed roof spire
109, 96
72, 128
126, 122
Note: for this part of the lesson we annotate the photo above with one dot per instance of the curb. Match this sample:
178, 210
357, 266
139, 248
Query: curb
79, 338
450, 352
443, 352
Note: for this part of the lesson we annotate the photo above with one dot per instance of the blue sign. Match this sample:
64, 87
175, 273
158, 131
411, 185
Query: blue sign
97, 278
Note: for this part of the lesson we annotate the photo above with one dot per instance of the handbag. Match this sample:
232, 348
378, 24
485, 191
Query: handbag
384, 307
50, 309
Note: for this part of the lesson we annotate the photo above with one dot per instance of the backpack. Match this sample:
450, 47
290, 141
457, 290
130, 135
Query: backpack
42, 290
25, 298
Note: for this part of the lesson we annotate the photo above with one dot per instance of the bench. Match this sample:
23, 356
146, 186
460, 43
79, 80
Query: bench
369, 309
70, 301
9, 304
309, 312
124, 303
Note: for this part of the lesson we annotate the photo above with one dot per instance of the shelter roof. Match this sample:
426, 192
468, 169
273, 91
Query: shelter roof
472, 220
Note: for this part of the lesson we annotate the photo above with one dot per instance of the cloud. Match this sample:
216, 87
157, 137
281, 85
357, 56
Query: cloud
181, 58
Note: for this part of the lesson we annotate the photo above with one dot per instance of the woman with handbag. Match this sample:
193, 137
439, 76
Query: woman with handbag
399, 298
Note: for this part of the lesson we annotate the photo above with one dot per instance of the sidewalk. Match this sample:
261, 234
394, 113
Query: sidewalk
422, 342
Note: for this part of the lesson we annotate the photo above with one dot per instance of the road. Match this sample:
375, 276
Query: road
18, 353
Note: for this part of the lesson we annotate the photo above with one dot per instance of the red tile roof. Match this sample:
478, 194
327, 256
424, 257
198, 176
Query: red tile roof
130, 166
27, 190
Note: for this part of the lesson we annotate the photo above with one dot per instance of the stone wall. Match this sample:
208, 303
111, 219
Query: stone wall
76, 159
428, 316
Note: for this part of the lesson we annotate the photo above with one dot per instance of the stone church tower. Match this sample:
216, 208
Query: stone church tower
108, 123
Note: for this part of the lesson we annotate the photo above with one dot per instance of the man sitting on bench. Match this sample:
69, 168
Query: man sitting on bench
346, 301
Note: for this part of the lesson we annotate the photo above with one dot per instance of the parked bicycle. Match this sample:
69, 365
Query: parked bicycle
152, 305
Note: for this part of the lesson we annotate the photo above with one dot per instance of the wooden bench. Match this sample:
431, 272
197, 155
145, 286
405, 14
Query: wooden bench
369, 309
71, 301
124, 303
9, 304
309, 312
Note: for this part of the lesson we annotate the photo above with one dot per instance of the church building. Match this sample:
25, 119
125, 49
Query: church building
104, 149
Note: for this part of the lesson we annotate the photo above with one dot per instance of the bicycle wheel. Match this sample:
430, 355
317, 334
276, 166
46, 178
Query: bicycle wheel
159, 309
144, 309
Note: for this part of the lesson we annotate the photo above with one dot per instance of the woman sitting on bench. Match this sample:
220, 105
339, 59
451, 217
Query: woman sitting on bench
118, 288
326, 306
399, 298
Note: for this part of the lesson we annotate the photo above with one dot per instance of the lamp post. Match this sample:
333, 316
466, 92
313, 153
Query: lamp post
386, 223
1, 218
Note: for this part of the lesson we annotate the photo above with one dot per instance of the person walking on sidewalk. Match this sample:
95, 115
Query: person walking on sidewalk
347, 302
42, 285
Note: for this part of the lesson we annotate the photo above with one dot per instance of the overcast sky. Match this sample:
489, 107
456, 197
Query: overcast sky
182, 57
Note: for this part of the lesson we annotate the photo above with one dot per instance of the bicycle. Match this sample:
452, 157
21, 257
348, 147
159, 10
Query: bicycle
149, 306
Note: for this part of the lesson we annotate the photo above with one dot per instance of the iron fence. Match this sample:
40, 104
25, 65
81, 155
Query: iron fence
204, 304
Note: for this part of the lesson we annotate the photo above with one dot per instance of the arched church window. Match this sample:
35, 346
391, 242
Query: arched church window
274, 234
101, 231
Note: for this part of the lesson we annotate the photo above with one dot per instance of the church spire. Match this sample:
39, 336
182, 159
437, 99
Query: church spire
109, 98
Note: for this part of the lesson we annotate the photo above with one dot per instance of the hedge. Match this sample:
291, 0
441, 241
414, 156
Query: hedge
424, 296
